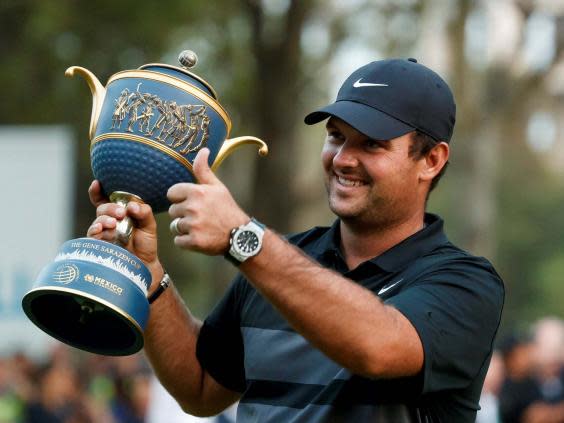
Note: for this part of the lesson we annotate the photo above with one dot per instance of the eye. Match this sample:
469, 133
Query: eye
334, 135
372, 144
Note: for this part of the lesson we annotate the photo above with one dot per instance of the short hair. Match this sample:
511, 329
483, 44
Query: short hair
420, 146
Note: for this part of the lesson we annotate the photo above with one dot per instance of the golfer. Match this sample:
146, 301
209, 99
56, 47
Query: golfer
377, 318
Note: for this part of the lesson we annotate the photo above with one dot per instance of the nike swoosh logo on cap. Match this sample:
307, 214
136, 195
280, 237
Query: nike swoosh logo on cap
388, 287
359, 84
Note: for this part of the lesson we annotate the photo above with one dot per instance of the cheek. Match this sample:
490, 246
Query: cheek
391, 176
327, 155
407, 179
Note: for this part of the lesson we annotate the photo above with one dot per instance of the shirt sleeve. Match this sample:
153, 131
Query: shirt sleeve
456, 311
219, 347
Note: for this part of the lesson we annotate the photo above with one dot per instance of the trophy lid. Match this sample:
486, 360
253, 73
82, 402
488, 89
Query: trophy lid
188, 59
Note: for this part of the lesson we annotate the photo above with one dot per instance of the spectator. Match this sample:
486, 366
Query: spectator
12, 392
548, 362
58, 398
519, 389
489, 400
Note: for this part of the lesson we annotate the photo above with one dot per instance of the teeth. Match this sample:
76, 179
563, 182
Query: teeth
348, 182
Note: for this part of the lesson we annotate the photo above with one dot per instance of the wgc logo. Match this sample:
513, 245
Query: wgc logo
66, 273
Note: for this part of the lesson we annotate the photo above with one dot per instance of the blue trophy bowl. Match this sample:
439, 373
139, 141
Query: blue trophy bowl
151, 125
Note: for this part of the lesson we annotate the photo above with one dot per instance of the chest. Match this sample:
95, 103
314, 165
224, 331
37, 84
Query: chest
290, 380
274, 352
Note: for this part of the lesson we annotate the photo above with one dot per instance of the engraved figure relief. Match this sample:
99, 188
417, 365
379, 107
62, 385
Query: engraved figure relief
119, 111
198, 125
178, 126
204, 124
145, 118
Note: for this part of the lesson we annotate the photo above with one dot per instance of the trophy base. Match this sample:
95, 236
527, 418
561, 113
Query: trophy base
83, 321
92, 297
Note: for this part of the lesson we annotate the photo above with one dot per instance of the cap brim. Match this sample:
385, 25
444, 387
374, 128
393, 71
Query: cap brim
371, 122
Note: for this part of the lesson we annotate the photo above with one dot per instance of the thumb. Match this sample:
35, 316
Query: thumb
202, 170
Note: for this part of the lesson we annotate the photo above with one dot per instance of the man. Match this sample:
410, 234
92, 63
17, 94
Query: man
377, 318
519, 389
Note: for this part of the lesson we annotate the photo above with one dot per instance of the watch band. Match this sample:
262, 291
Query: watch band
231, 259
163, 284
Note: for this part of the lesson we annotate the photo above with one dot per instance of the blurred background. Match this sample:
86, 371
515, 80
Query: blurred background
271, 62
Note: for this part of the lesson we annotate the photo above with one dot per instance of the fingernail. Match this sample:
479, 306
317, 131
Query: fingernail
134, 207
110, 220
120, 212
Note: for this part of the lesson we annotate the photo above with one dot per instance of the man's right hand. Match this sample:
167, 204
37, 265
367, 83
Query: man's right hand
143, 241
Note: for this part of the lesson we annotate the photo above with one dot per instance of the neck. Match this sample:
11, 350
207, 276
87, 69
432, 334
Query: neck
360, 243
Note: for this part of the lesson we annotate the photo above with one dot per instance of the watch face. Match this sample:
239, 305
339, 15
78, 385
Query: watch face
247, 242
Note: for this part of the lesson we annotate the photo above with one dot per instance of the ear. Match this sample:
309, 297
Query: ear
434, 161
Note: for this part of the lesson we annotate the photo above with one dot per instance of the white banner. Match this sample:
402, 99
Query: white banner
36, 213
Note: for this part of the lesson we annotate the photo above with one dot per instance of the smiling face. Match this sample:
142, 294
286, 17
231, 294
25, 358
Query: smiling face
372, 182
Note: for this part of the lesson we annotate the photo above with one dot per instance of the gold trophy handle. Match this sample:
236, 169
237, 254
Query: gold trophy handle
231, 144
98, 94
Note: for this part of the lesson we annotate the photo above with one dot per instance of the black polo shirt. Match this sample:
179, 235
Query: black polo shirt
453, 299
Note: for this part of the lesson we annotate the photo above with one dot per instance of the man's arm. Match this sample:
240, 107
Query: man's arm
170, 345
347, 322
171, 332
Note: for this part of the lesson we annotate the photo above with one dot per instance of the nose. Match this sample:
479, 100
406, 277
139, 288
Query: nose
345, 156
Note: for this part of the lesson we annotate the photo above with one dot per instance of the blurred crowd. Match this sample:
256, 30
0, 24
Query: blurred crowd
525, 384
525, 381
73, 387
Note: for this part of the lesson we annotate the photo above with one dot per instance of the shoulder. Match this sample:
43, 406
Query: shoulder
449, 266
450, 257
454, 300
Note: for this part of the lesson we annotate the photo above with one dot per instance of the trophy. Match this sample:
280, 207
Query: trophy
146, 128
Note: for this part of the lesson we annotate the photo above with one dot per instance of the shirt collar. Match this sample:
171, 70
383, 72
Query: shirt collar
398, 256
327, 246
414, 246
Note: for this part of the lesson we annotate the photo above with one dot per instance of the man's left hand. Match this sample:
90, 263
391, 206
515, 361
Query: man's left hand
207, 210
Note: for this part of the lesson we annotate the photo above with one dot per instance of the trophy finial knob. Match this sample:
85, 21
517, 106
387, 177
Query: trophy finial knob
188, 59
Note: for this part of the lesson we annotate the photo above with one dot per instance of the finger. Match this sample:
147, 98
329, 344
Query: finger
105, 235
202, 170
178, 192
111, 209
101, 223
178, 210
104, 228
94, 229
183, 241
143, 215
96, 194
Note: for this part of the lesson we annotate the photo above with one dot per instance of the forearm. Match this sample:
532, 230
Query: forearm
343, 319
170, 345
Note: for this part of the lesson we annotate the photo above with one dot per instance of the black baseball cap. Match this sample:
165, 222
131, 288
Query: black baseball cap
386, 99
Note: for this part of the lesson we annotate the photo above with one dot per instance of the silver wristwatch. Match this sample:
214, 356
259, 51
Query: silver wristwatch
245, 242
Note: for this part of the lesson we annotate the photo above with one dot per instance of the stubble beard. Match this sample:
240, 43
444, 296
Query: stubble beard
372, 213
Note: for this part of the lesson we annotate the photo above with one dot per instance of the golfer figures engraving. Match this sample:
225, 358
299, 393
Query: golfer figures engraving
146, 128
